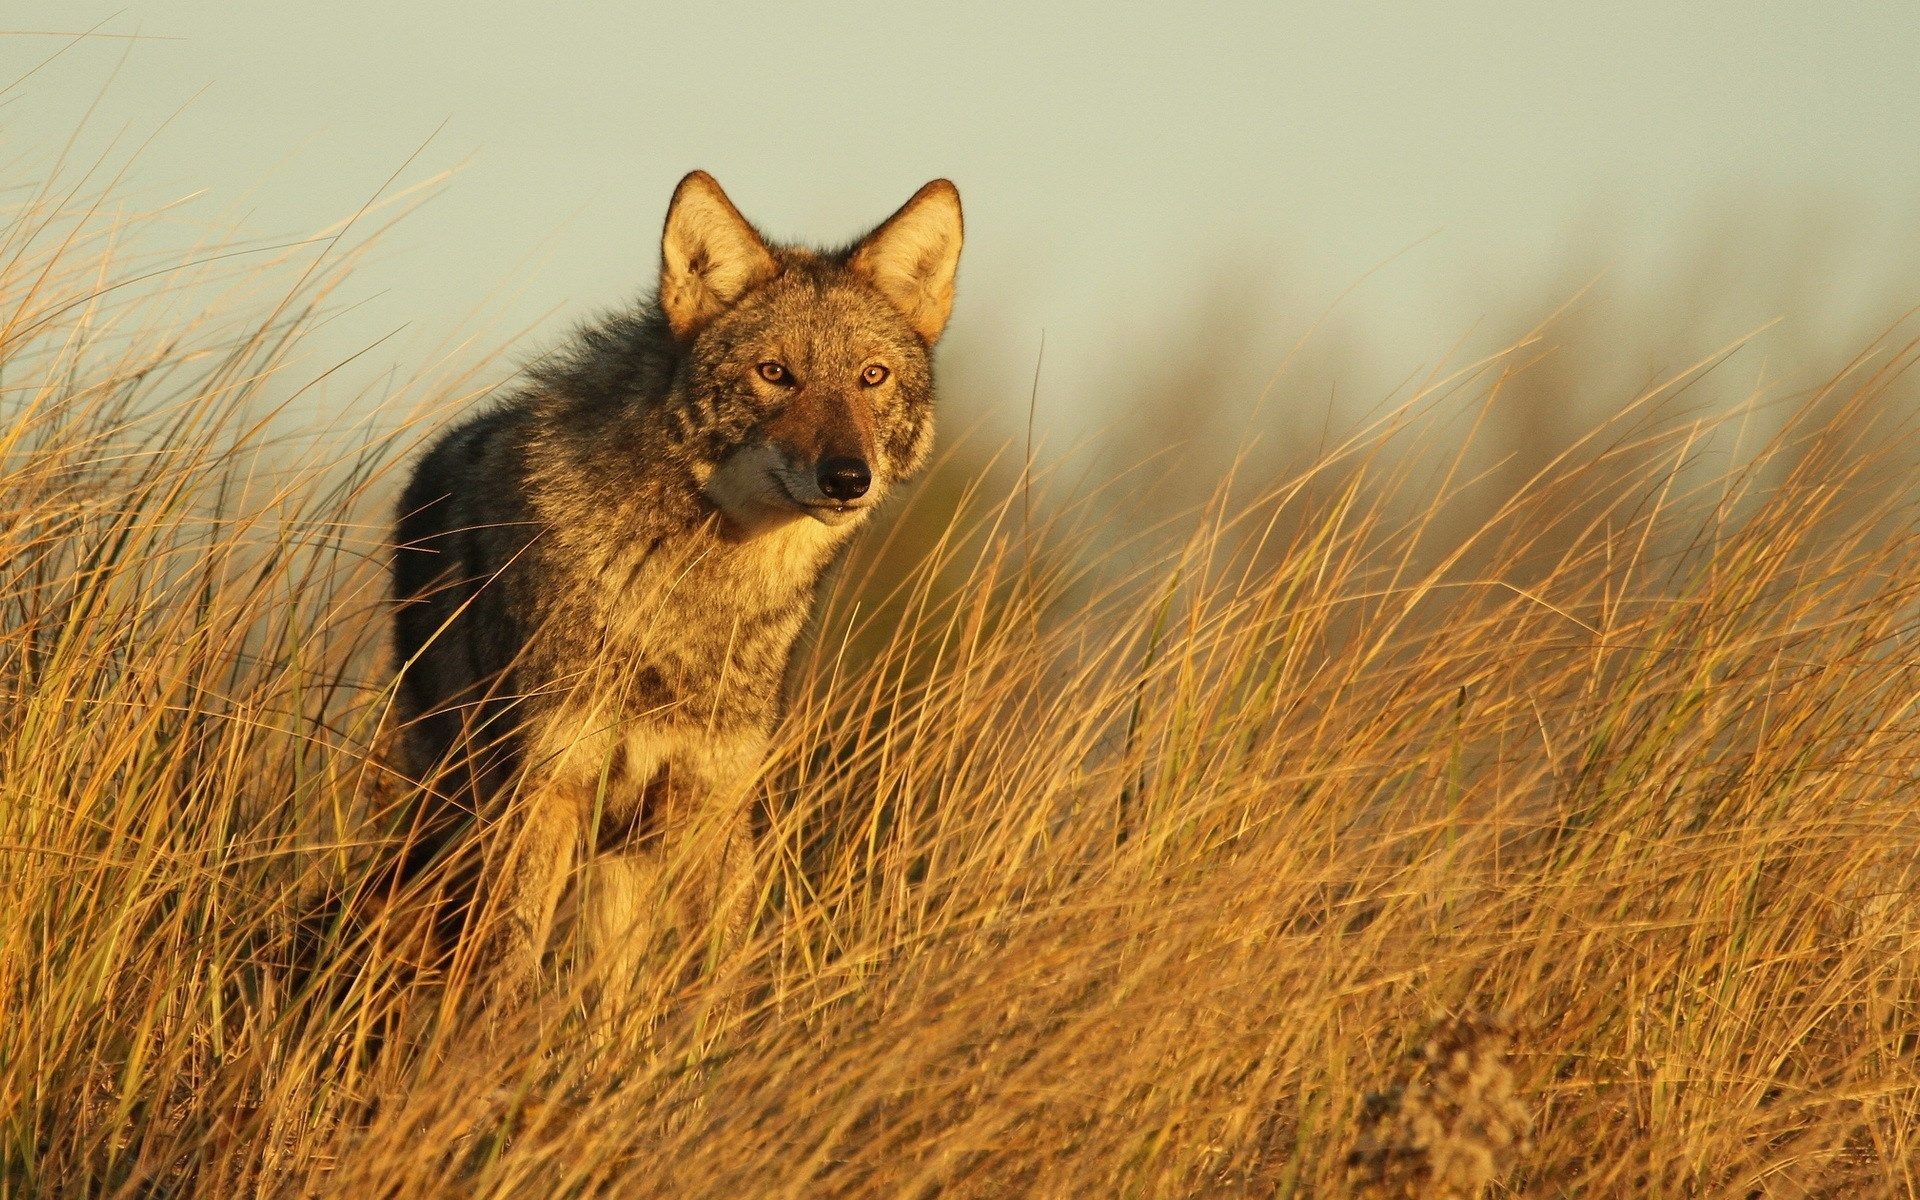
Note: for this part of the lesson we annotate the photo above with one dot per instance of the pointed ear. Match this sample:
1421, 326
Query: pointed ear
709, 255
911, 258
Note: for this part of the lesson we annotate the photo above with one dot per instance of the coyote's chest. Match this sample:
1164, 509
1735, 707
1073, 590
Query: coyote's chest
699, 631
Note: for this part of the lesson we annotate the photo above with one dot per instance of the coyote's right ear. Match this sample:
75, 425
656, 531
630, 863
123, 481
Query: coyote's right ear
709, 255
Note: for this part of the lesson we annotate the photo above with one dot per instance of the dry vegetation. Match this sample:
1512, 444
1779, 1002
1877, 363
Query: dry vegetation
1375, 831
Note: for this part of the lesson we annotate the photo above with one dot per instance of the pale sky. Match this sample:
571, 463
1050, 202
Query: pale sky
1116, 162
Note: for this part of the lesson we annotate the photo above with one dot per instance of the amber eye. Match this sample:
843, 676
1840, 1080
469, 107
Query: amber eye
874, 375
773, 372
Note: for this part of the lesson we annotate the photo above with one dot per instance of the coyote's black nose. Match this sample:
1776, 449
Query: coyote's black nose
844, 478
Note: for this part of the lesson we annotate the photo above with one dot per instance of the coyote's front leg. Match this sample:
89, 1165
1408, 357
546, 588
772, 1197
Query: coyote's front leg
525, 866
691, 876
716, 898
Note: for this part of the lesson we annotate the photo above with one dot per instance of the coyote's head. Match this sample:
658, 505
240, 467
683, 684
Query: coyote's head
807, 388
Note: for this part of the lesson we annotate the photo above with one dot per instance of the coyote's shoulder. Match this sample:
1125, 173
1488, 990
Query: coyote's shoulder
599, 581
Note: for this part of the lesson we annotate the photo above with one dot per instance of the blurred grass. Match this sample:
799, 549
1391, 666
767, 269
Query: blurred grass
1125, 836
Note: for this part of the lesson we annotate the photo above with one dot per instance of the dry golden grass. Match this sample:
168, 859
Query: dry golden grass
1124, 864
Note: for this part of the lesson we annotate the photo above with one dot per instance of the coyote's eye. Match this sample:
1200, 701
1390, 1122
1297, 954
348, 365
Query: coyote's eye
773, 372
874, 375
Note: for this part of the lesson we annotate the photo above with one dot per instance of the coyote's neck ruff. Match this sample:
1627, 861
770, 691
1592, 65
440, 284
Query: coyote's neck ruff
599, 583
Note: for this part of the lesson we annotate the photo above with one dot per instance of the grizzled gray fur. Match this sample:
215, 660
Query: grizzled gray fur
599, 582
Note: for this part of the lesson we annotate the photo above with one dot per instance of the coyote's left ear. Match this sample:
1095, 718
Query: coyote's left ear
911, 258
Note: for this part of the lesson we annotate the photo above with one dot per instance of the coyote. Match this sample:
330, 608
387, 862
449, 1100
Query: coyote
598, 583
